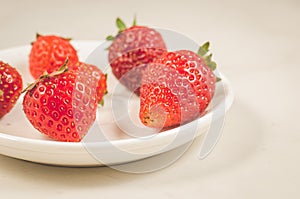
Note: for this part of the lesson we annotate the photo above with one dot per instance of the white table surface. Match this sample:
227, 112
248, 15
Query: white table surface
256, 45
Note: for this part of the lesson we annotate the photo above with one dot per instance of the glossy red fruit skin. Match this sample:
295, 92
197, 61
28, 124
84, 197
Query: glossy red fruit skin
176, 89
62, 107
92, 71
10, 87
48, 53
130, 53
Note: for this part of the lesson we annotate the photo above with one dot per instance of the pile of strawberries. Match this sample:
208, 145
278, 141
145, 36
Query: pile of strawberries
174, 87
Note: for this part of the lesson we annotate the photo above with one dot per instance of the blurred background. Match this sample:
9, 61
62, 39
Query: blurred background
240, 32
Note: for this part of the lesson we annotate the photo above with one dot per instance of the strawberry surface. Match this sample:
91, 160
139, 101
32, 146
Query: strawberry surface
48, 53
93, 72
130, 52
63, 104
10, 87
176, 88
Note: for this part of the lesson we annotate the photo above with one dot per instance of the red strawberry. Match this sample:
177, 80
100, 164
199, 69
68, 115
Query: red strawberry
94, 72
62, 104
10, 87
177, 88
48, 53
131, 50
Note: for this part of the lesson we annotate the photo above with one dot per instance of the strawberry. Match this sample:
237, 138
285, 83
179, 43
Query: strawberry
95, 72
10, 87
63, 104
48, 53
131, 50
177, 88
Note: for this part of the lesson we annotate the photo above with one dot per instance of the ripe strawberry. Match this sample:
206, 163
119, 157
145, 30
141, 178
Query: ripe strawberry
131, 50
94, 72
177, 88
48, 53
62, 104
10, 87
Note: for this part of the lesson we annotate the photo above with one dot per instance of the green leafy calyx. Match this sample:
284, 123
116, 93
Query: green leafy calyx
62, 69
203, 52
121, 27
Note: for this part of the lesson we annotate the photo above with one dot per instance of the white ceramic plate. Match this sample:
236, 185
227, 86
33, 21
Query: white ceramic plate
110, 141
